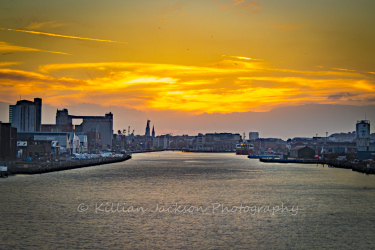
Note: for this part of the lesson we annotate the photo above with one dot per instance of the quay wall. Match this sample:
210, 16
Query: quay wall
46, 167
358, 167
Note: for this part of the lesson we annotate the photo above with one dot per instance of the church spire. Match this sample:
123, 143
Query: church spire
148, 128
153, 131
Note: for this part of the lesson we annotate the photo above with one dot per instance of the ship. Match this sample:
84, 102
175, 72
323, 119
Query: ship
268, 155
244, 149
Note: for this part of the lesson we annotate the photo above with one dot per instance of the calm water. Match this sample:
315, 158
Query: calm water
223, 201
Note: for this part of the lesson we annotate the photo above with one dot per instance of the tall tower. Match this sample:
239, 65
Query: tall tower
363, 135
153, 132
148, 128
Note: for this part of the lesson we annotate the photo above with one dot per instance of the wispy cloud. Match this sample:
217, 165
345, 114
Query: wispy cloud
224, 6
253, 5
6, 64
39, 25
62, 36
9, 47
343, 69
340, 96
288, 26
242, 4
243, 58
236, 2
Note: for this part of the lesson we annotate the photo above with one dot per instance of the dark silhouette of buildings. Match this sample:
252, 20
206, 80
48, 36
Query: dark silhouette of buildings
8, 142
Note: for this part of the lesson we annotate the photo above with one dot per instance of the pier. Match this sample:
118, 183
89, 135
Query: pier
46, 167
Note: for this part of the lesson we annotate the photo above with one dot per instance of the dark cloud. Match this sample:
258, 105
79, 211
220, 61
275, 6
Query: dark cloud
341, 95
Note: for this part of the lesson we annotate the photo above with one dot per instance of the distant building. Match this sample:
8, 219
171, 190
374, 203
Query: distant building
364, 149
302, 152
253, 135
216, 142
94, 142
343, 137
8, 142
162, 141
26, 116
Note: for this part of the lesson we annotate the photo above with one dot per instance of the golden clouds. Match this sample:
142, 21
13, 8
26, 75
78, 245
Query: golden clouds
237, 85
220, 100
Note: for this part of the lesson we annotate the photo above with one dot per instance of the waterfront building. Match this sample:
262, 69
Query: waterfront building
8, 142
26, 115
38, 150
64, 139
302, 152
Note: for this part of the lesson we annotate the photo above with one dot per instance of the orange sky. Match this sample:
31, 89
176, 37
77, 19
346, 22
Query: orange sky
193, 56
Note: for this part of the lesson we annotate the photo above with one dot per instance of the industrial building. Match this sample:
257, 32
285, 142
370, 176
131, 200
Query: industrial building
302, 152
100, 124
99, 129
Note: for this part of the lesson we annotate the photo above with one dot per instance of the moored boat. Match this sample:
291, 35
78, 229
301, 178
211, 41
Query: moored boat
244, 149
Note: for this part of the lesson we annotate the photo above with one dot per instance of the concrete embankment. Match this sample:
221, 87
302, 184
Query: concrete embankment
46, 167
354, 166
145, 151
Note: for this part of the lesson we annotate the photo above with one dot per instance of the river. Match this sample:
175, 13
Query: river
174, 200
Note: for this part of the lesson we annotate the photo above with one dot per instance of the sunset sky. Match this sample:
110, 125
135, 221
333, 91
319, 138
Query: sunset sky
175, 58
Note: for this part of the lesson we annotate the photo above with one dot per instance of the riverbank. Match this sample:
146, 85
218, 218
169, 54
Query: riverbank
179, 150
354, 166
46, 167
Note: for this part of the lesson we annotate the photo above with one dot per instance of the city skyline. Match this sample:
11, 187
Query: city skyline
284, 123
179, 63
